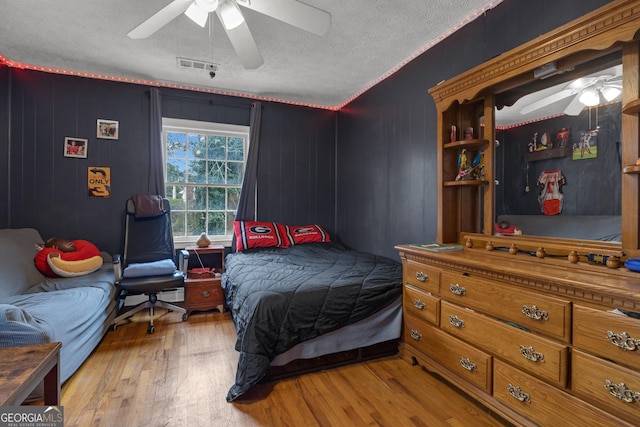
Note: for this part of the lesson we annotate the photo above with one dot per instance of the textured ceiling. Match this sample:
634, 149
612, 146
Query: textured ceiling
368, 40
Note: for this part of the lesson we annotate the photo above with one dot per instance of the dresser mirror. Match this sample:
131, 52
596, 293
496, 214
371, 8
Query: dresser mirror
558, 155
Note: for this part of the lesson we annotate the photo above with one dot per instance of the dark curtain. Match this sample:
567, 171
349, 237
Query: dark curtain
247, 203
156, 167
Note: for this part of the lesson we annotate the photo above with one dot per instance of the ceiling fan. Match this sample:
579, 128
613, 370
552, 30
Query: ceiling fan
586, 91
292, 12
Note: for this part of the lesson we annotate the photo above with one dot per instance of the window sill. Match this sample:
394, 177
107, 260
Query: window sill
182, 242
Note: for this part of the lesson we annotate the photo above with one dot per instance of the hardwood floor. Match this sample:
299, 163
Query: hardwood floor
180, 375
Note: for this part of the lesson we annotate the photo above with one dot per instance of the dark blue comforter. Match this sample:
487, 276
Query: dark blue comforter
281, 297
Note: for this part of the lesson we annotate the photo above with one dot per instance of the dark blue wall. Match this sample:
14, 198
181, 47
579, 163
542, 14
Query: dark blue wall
387, 167
49, 191
376, 189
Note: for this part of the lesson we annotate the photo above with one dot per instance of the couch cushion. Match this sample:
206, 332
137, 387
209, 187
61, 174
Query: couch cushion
76, 316
17, 250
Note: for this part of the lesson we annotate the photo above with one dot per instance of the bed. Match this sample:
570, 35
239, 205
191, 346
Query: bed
305, 301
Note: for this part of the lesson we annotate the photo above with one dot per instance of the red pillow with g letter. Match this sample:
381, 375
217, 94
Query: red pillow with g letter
258, 234
54, 262
300, 234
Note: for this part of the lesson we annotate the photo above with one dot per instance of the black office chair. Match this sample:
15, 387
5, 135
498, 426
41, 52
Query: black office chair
147, 265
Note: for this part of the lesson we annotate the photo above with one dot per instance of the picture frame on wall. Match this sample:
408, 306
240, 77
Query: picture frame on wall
76, 147
107, 129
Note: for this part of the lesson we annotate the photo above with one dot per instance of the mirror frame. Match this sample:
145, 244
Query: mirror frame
611, 27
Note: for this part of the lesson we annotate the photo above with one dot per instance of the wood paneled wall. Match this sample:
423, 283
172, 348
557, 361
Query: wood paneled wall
49, 191
369, 174
386, 170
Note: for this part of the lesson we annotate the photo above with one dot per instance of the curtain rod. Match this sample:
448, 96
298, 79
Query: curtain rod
238, 103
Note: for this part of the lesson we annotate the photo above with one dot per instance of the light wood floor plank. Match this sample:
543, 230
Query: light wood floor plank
180, 375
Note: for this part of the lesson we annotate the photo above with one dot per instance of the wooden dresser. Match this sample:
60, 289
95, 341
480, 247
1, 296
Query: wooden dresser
532, 339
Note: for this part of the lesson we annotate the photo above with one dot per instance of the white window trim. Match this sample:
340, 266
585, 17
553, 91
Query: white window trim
192, 125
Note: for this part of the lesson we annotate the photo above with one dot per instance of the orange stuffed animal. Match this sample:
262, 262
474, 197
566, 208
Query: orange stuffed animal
67, 258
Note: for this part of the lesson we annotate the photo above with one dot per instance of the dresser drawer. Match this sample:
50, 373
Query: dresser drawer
546, 315
422, 276
542, 403
539, 356
203, 291
606, 385
422, 304
464, 360
609, 335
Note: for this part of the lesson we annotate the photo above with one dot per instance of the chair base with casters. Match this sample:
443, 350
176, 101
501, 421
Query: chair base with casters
150, 286
151, 303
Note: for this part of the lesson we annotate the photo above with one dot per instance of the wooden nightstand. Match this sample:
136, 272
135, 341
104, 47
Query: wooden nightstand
204, 293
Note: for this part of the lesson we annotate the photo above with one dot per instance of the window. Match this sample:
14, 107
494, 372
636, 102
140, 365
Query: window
205, 165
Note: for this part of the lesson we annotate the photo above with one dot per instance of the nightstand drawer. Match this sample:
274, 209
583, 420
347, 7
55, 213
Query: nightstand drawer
422, 304
203, 291
611, 387
540, 313
466, 361
609, 335
422, 276
537, 355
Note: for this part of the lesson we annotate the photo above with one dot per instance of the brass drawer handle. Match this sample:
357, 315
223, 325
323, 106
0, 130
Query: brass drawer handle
467, 364
457, 289
418, 304
205, 294
456, 322
622, 392
422, 277
518, 394
531, 354
535, 313
415, 335
623, 340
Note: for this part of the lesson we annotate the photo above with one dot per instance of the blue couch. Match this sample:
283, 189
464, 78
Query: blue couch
76, 311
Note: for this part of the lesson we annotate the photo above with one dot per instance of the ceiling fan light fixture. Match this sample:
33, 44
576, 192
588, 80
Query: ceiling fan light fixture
230, 15
197, 14
589, 97
610, 93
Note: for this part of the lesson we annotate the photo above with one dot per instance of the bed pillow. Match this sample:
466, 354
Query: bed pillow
300, 234
258, 234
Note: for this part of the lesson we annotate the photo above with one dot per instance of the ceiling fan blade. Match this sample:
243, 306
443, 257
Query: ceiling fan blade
244, 45
159, 19
555, 97
575, 107
292, 12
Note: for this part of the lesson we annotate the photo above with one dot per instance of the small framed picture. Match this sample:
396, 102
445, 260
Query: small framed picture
76, 147
107, 129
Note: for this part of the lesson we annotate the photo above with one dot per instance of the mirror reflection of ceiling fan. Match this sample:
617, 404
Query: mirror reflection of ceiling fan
586, 91
292, 12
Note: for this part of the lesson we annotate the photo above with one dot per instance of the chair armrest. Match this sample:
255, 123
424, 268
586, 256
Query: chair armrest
183, 261
117, 267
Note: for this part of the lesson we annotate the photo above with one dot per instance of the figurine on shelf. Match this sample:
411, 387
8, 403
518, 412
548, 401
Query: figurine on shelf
463, 165
533, 144
477, 166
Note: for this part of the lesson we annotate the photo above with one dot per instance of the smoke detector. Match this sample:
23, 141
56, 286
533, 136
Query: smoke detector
196, 65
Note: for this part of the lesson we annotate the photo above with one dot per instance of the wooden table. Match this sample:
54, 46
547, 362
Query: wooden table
23, 368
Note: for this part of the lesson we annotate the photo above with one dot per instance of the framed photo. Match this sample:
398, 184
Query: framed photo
107, 129
76, 147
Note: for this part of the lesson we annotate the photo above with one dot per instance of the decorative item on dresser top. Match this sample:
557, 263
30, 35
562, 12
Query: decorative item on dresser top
540, 327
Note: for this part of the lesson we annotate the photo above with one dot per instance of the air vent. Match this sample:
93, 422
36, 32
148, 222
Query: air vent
194, 64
